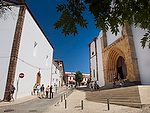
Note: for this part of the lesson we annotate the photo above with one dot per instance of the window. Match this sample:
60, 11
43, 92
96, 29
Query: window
47, 60
94, 73
92, 53
35, 49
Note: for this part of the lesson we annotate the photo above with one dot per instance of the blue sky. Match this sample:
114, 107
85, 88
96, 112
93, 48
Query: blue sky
72, 50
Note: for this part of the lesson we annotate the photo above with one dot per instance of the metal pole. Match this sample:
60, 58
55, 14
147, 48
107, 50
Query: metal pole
64, 96
82, 104
65, 104
108, 103
61, 98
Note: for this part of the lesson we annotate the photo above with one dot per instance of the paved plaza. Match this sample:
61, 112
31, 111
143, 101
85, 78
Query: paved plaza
74, 105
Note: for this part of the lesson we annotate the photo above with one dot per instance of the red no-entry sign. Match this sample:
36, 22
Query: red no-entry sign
21, 75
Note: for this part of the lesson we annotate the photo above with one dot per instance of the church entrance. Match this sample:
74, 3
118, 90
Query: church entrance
121, 67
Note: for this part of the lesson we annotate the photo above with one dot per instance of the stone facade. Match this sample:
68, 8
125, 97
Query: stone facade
125, 48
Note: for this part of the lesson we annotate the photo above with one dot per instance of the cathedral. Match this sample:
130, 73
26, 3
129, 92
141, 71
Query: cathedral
122, 54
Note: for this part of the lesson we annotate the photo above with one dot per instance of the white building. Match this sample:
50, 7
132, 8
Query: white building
58, 73
24, 48
123, 54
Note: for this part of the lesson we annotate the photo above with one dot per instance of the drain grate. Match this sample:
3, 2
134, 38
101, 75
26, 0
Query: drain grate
32, 110
8, 110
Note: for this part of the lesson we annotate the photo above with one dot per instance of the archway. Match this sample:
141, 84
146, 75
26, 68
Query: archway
121, 67
113, 64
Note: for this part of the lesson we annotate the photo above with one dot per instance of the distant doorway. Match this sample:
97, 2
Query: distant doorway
121, 67
38, 80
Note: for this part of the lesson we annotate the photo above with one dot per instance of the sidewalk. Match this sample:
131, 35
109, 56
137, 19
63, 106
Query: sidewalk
24, 99
74, 106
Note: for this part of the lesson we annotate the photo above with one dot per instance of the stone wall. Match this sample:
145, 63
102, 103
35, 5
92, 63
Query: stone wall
124, 47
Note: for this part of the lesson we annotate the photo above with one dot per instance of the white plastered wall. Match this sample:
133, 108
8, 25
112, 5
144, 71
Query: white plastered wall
29, 61
7, 30
100, 62
112, 37
56, 76
143, 55
93, 62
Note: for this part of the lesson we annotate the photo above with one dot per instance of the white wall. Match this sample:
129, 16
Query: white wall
93, 62
112, 37
143, 55
100, 62
31, 61
56, 76
7, 28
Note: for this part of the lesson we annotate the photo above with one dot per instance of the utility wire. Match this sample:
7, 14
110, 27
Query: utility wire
27, 63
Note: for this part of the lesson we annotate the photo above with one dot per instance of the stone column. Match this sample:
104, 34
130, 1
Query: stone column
131, 61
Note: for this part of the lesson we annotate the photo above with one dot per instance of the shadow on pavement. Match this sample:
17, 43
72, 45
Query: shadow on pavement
85, 88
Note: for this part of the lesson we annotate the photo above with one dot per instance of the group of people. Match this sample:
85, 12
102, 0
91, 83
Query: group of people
117, 78
96, 86
43, 92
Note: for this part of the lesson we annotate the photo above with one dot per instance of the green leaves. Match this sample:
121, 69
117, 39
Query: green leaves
21, 1
78, 77
146, 39
71, 17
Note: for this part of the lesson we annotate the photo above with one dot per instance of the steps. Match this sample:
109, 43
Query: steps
126, 83
127, 96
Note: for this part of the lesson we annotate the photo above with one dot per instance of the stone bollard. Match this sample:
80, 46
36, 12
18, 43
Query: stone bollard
108, 103
82, 104
65, 104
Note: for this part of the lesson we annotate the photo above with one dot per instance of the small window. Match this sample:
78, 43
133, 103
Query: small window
94, 73
92, 53
35, 49
47, 59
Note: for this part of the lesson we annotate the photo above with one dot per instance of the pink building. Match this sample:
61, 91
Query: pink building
70, 78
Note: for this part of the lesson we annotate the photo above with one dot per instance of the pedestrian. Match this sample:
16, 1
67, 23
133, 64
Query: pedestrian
91, 87
38, 89
42, 91
51, 88
66, 86
115, 77
34, 89
47, 90
119, 76
12, 92
56, 88
95, 86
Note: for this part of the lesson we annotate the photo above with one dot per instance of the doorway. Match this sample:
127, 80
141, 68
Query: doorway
121, 67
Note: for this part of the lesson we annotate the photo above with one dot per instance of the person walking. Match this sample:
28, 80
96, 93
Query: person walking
38, 89
47, 90
56, 88
42, 91
12, 92
34, 89
91, 87
50, 91
95, 86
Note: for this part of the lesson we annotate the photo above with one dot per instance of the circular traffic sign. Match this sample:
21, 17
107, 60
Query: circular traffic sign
21, 75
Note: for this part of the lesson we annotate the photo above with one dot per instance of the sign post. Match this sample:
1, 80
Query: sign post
21, 75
